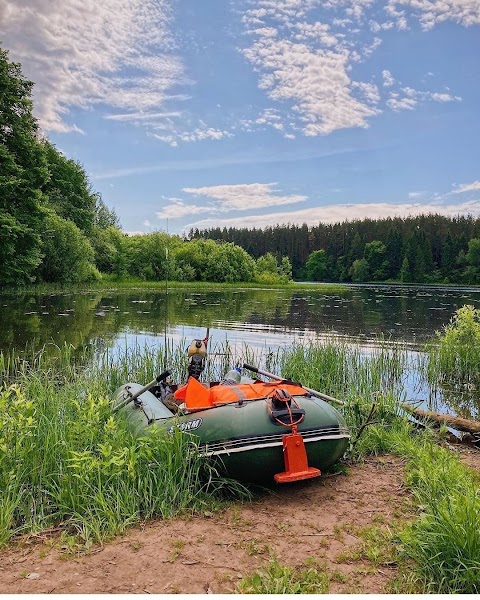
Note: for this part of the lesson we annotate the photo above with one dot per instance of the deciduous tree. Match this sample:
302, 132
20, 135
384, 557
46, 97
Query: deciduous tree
23, 173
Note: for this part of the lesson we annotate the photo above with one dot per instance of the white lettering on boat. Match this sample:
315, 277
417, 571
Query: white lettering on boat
187, 425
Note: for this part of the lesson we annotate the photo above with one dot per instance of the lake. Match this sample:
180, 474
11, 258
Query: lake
260, 318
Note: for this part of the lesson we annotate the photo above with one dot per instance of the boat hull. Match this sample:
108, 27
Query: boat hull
242, 438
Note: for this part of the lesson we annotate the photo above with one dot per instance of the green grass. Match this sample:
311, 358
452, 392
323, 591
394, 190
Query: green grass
455, 358
65, 460
111, 282
275, 578
443, 543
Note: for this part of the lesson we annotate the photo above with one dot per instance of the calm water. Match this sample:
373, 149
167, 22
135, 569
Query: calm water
259, 318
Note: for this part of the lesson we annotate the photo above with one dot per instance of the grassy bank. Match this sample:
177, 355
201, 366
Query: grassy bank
64, 461
109, 283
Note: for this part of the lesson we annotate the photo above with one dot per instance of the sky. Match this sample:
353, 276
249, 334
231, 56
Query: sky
248, 113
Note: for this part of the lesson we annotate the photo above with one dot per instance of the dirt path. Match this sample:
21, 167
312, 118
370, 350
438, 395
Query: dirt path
312, 520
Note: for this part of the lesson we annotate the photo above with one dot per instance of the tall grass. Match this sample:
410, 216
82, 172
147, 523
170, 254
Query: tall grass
444, 542
64, 459
455, 358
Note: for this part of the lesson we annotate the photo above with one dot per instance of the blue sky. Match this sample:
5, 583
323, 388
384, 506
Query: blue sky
200, 113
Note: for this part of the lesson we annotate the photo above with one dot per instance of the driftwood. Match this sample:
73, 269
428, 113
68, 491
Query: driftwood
456, 422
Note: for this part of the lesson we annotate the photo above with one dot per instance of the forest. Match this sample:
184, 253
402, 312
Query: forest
54, 227
428, 248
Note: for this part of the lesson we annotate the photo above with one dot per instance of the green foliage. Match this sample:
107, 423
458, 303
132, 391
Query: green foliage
268, 271
105, 217
472, 273
444, 542
111, 250
68, 255
23, 173
68, 190
36, 180
435, 246
206, 260
275, 578
457, 355
404, 274
375, 253
360, 270
151, 256
318, 266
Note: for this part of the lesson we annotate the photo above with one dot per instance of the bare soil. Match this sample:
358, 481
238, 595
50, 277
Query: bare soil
209, 553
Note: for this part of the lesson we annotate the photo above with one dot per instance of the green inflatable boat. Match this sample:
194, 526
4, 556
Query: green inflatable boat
257, 431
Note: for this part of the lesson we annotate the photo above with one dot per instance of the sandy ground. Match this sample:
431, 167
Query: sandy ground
210, 553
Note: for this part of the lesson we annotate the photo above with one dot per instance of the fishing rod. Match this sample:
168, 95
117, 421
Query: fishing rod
313, 392
165, 356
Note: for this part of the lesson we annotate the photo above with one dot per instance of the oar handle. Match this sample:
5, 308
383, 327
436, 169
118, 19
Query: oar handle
255, 370
141, 391
314, 392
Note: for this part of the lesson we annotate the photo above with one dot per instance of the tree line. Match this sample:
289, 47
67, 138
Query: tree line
55, 228
429, 248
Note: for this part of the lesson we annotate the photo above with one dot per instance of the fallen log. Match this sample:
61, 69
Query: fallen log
455, 422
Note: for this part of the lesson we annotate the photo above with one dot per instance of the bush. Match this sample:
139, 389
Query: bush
68, 255
457, 356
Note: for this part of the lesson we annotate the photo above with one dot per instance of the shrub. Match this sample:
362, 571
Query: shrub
457, 356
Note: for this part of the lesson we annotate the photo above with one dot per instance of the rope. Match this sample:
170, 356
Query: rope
287, 400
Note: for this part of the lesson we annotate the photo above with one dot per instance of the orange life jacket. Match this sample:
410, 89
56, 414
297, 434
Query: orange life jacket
196, 396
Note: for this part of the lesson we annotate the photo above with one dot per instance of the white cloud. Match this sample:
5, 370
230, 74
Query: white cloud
341, 212
375, 26
223, 198
314, 82
306, 65
141, 116
443, 97
432, 12
417, 195
317, 31
397, 104
178, 208
199, 134
82, 53
466, 187
412, 97
245, 196
388, 79
368, 90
